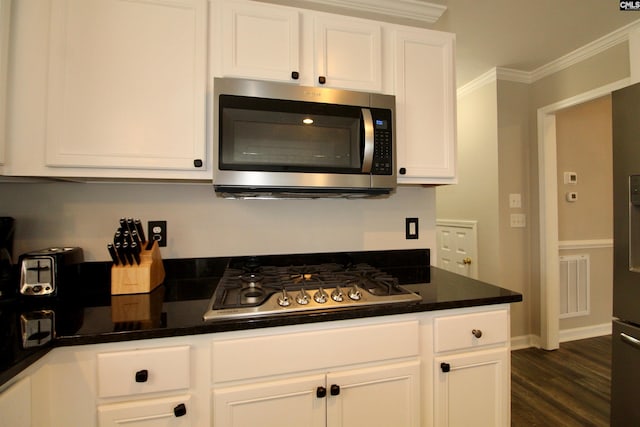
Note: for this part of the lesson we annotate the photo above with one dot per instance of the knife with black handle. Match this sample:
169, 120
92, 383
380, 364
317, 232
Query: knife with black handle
127, 252
135, 252
113, 254
120, 252
138, 225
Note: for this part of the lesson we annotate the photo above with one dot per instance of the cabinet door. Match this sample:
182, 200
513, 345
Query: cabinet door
170, 411
127, 84
5, 12
286, 403
425, 107
473, 389
382, 396
259, 41
15, 405
348, 53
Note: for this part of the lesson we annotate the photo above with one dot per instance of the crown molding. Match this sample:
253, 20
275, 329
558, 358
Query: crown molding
581, 54
475, 84
408, 9
587, 51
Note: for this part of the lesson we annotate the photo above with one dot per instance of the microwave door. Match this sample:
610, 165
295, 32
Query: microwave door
367, 157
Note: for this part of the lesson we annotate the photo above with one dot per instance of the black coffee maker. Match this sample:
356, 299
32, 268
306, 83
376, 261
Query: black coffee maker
7, 228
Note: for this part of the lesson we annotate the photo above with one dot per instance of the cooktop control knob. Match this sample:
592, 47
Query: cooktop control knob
303, 297
321, 296
283, 299
337, 294
354, 293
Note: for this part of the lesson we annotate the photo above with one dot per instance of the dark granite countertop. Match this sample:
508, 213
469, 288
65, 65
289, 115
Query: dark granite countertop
91, 315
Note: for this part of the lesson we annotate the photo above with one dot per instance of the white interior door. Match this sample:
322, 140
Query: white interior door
457, 243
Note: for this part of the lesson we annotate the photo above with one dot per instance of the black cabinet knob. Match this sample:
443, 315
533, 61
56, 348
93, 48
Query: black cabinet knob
335, 389
402, 171
321, 392
322, 80
295, 75
180, 410
142, 376
445, 367
197, 163
477, 333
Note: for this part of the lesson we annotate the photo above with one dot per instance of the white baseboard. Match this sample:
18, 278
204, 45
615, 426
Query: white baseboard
526, 341
585, 332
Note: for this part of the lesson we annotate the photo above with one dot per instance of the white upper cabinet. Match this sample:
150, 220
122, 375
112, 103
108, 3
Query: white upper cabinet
127, 85
272, 42
259, 40
5, 12
348, 53
425, 107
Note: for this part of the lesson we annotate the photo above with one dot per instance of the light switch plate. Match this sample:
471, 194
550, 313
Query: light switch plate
518, 220
515, 200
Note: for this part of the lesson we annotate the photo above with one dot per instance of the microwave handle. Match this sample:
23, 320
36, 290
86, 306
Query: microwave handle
367, 158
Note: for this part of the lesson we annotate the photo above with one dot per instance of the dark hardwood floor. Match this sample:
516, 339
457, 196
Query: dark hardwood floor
565, 387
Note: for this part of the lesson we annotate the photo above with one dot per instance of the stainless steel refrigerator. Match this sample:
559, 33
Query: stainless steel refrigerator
625, 375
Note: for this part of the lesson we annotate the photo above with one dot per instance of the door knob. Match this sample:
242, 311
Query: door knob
466, 261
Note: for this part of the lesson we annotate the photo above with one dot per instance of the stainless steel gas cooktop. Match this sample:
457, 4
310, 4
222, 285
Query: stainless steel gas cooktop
252, 287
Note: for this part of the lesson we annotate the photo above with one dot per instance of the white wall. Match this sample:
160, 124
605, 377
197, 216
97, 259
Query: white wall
200, 224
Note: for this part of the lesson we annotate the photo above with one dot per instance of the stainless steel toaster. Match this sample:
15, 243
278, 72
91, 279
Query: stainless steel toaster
46, 271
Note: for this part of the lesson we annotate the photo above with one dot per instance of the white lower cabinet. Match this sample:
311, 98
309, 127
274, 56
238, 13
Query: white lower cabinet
472, 370
168, 411
133, 373
470, 389
432, 369
278, 403
381, 396
324, 375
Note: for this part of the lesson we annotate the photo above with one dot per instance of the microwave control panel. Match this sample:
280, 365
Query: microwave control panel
383, 144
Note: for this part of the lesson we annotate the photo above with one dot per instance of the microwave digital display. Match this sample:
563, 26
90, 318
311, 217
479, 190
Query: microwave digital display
381, 124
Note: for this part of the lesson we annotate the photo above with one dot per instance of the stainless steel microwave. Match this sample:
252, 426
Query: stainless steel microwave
283, 140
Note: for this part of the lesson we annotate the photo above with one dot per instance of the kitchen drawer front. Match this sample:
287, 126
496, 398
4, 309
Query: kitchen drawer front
143, 371
235, 359
457, 332
172, 411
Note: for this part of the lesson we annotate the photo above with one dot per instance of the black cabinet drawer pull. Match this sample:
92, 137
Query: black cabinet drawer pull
180, 410
295, 75
321, 392
445, 367
335, 389
142, 376
322, 80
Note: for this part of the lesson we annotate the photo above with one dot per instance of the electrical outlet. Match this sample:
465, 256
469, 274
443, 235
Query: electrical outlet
411, 228
157, 230
515, 200
518, 220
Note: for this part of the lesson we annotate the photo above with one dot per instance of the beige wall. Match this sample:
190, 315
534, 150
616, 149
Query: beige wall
584, 146
475, 197
511, 108
200, 224
513, 160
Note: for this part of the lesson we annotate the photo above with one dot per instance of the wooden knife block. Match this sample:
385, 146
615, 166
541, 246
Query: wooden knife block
141, 278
